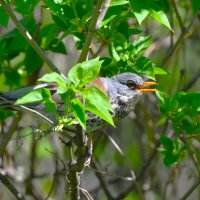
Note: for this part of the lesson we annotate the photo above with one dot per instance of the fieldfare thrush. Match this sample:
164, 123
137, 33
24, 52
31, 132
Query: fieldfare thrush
123, 90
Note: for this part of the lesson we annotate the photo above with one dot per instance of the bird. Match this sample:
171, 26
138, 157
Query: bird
123, 91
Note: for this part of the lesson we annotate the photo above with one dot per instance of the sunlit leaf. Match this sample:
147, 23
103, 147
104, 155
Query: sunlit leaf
161, 17
118, 2
158, 70
79, 112
31, 97
98, 103
54, 78
85, 72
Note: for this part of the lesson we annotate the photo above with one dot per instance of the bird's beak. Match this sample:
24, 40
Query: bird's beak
144, 87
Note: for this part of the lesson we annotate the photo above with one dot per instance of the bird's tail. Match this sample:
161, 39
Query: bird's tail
8, 99
6, 104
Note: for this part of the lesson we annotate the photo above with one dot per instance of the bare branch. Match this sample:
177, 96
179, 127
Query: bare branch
192, 81
11, 187
189, 192
9, 134
180, 39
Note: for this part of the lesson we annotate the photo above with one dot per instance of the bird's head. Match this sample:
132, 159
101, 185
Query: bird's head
126, 88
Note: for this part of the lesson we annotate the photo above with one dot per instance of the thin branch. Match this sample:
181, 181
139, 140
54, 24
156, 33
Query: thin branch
37, 113
189, 192
9, 134
192, 81
181, 37
86, 193
103, 12
193, 156
12, 189
144, 168
91, 31
178, 15
28, 37
101, 180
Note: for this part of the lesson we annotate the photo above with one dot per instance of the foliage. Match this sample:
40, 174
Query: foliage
156, 39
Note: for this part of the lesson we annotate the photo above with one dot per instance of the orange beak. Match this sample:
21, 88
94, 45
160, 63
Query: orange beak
144, 87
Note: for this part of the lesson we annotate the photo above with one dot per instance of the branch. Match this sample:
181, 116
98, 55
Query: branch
144, 168
74, 182
91, 31
9, 134
181, 24
77, 166
189, 192
181, 37
28, 37
192, 81
11, 188
102, 181
103, 12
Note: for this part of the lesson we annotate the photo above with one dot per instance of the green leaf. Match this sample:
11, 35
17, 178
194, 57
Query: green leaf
141, 16
144, 66
142, 9
79, 112
54, 78
162, 97
57, 46
85, 72
32, 60
118, 2
97, 102
5, 114
31, 97
171, 159
62, 11
46, 94
195, 6
4, 17
113, 52
50, 107
158, 70
141, 44
139, 10
161, 17
47, 34
106, 21
25, 7
167, 142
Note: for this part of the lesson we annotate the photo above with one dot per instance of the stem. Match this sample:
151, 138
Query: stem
181, 24
28, 37
189, 192
103, 12
181, 37
77, 166
91, 31
192, 81
101, 181
11, 188
74, 185
9, 134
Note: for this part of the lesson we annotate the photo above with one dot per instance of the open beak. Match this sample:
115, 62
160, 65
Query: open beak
144, 87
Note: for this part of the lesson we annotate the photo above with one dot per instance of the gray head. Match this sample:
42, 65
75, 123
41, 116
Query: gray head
123, 88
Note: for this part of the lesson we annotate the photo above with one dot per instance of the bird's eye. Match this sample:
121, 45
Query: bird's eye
131, 84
